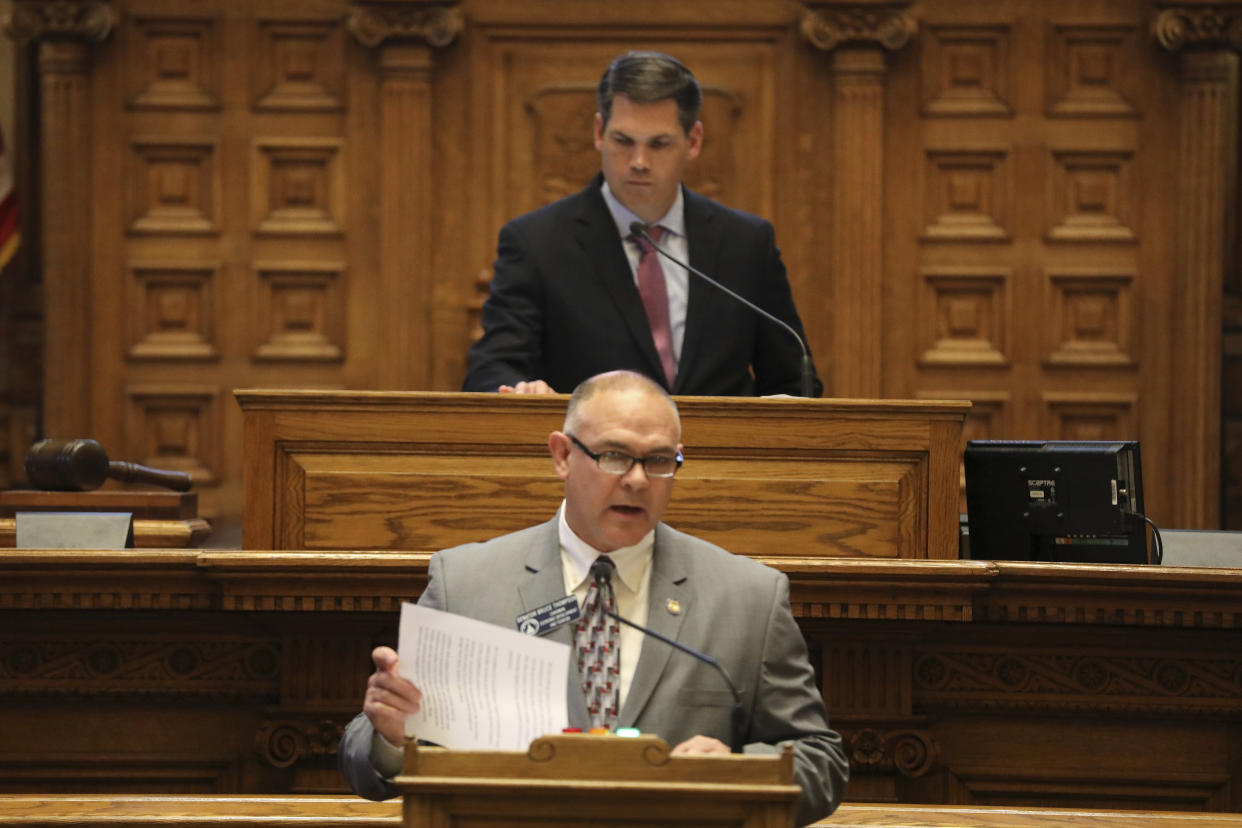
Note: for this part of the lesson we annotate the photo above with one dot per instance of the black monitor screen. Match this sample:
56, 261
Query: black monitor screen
1071, 501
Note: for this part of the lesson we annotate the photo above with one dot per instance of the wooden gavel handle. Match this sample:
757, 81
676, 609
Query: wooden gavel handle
134, 473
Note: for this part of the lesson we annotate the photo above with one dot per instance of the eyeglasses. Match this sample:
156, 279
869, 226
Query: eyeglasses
618, 462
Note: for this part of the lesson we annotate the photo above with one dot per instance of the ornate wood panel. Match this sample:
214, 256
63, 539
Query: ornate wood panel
1041, 246
1022, 204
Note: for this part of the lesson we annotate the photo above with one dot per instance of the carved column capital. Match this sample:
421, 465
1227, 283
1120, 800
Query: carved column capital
1200, 26
828, 25
437, 23
91, 21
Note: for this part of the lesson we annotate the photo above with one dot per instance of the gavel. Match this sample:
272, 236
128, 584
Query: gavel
82, 465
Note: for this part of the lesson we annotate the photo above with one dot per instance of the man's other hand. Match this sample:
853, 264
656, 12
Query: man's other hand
390, 697
701, 744
528, 387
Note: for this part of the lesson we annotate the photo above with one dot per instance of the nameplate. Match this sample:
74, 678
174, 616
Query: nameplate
548, 617
75, 530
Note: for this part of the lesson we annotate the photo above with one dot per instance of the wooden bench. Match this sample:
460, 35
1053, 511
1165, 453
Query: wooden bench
240, 811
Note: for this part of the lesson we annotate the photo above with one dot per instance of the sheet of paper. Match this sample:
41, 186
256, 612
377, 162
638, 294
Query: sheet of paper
484, 687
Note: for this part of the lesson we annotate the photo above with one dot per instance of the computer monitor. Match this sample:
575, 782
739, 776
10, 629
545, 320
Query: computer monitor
1068, 501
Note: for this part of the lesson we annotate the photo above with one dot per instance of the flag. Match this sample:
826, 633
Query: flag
9, 236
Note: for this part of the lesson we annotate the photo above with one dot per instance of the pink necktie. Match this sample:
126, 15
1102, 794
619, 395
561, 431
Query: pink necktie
597, 640
654, 292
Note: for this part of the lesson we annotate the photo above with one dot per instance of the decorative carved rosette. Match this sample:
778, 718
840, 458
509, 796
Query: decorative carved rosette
285, 742
828, 26
373, 23
87, 20
911, 753
1208, 26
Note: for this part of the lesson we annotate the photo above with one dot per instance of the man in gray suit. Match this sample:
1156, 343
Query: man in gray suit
617, 454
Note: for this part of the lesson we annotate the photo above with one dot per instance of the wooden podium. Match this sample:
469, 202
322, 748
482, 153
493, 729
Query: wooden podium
577, 779
421, 471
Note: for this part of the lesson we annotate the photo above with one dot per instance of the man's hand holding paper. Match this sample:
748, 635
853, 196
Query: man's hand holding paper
480, 686
390, 698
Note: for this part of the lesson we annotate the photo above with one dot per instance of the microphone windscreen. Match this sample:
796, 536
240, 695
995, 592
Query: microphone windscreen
601, 571
638, 228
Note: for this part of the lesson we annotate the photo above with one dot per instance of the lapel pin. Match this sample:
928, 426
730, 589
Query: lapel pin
674, 606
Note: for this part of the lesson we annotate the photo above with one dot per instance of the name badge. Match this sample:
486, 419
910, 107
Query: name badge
550, 616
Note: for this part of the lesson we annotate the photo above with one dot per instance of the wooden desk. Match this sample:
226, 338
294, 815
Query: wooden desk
953, 682
162, 520
424, 471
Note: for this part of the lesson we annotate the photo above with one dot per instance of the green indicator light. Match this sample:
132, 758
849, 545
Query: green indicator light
628, 731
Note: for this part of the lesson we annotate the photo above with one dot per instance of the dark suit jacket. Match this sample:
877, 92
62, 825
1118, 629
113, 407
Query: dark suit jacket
730, 607
564, 305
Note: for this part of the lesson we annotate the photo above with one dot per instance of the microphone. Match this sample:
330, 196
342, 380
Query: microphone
602, 573
637, 228
82, 465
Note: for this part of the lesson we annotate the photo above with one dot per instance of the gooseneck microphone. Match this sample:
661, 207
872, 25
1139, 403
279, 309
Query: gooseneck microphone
808, 373
602, 573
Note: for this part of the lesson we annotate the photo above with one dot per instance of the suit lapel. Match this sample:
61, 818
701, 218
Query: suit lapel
668, 576
540, 583
596, 231
701, 321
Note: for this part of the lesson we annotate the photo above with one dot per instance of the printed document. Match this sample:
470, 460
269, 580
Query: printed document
484, 687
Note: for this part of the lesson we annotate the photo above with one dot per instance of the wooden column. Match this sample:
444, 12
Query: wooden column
857, 34
1205, 38
66, 30
406, 35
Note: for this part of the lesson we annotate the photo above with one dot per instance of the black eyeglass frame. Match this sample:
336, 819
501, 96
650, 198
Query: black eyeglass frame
597, 456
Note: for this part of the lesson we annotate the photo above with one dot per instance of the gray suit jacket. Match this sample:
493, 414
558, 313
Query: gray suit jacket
731, 607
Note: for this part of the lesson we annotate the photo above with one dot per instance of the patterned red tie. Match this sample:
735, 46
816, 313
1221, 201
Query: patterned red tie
597, 640
654, 291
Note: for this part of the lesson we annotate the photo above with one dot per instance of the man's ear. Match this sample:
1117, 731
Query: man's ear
559, 447
599, 131
696, 141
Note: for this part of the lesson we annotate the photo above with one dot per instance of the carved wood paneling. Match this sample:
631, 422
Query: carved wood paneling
886, 140
967, 317
66, 200
301, 66
1039, 142
1091, 70
968, 196
176, 63
1207, 193
1095, 415
298, 186
175, 427
968, 71
1091, 197
299, 311
1092, 318
149, 665
962, 681
174, 310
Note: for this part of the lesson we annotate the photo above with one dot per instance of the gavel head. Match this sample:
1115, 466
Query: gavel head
67, 465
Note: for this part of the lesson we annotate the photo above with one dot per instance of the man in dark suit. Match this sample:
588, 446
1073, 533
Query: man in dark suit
617, 454
567, 300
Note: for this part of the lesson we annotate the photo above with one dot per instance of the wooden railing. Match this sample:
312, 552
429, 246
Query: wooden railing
103, 811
